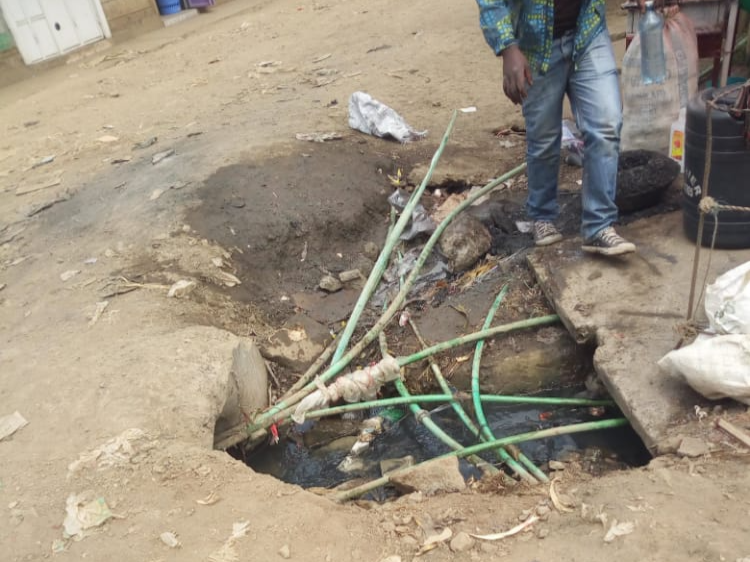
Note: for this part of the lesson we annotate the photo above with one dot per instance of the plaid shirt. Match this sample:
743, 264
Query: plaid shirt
529, 24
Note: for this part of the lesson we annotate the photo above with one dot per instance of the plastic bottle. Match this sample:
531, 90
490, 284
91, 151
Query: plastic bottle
651, 30
677, 140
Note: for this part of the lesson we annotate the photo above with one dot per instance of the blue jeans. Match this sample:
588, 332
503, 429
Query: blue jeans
593, 88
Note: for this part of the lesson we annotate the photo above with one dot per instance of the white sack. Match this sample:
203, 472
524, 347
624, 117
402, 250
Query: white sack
370, 116
728, 301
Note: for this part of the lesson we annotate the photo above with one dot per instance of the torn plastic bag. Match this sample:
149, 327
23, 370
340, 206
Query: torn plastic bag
434, 269
372, 117
728, 301
354, 387
715, 366
572, 141
421, 222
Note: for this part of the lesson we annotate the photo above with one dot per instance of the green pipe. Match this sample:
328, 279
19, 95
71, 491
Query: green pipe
257, 428
487, 434
423, 417
502, 454
443, 398
385, 255
476, 336
475, 449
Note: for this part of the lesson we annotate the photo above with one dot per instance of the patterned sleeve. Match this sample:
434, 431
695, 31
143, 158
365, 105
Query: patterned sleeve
497, 25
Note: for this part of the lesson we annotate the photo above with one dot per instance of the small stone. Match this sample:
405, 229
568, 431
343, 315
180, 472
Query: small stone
543, 511
285, 552
542, 533
669, 445
556, 465
181, 289
330, 284
693, 447
461, 542
371, 250
68, 275
350, 275
170, 539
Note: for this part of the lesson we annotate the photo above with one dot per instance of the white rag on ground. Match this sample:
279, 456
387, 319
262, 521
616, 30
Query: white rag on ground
354, 387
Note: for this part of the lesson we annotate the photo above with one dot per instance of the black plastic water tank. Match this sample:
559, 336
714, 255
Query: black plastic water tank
729, 180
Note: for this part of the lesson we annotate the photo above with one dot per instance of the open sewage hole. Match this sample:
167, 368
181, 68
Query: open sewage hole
317, 211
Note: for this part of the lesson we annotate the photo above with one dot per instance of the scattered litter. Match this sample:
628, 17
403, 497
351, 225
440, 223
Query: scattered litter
510, 532
619, 530
433, 541
353, 387
2, 286
319, 137
728, 301
46, 160
159, 156
170, 539
145, 144
181, 289
228, 279
404, 318
90, 261
100, 308
303, 257
321, 58
82, 514
714, 366
59, 546
118, 450
285, 552
227, 552
268, 63
507, 144
121, 160
38, 186
375, 118
11, 423
156, 193
218, 262
421, 222
68, 275
330, 284
557, 500
210, 499
470, 109
108, 139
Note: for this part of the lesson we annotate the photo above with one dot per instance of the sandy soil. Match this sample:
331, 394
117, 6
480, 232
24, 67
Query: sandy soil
161, 366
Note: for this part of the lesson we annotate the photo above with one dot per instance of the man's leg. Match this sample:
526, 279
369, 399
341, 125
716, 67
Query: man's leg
542, 110
594, 91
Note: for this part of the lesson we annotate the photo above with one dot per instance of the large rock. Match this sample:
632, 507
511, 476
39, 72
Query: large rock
464, 242
439, 476
298, 344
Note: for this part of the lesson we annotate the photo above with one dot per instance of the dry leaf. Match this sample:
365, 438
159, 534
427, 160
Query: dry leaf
619, 530
210, 499
556, 500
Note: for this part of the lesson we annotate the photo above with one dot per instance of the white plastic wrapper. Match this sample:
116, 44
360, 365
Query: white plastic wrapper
354, 387
715, 366
728, 301
372, 117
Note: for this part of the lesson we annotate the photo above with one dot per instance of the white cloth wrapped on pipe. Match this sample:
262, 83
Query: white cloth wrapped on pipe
354, 387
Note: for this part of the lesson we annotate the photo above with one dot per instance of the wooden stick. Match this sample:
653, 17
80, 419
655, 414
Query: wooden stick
739, 434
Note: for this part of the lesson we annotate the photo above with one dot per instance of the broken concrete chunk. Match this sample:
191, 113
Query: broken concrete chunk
297, 344
438, 476
464, 242
330, 284
247, 389
693, 447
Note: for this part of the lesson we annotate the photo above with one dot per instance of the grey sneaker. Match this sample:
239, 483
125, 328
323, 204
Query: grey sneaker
608, 243
545, 233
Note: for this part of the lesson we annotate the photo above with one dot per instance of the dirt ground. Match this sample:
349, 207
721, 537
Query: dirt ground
227, 92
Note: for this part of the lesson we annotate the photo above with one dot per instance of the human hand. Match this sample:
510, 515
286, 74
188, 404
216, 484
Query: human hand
516, 74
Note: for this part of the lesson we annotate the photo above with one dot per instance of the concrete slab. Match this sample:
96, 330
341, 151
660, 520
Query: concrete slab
631, 308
